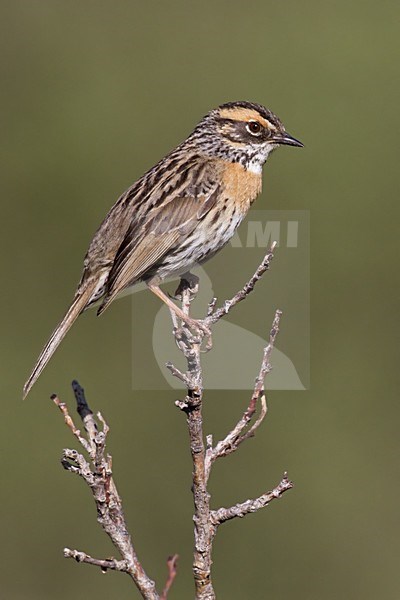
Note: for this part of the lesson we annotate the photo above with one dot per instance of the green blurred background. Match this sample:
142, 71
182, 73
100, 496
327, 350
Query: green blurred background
92, 94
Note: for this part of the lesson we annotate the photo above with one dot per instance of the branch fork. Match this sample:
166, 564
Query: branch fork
206, 520
96, 468
96, 471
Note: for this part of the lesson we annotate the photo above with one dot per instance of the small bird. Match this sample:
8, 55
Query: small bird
178, 214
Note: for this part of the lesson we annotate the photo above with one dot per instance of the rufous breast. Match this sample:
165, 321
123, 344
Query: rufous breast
241, 185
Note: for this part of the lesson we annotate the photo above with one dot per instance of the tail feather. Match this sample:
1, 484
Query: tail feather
79, 303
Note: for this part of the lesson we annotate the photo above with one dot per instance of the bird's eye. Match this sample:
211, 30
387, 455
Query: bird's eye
253, 127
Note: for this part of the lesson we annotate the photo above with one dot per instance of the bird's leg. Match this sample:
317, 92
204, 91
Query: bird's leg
194, 323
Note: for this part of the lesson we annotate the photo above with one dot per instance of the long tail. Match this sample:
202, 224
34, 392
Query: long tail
78, 305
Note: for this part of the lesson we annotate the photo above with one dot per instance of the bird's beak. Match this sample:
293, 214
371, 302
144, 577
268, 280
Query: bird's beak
288, 140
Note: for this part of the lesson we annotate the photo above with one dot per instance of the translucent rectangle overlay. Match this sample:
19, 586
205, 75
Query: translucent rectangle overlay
239, 339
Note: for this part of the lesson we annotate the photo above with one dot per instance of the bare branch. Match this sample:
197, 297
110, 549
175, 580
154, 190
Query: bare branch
250, 506
107, 563
178, 374
206, 520
251, 431
97, 470
85, 414
192, 406
211, 306
76, 463
70, 423
214, 316
97, 473
236, 436
266, 365
172, 564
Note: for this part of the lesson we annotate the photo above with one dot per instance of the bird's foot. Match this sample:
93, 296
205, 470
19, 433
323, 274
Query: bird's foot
198, 330
188, 326
188, 282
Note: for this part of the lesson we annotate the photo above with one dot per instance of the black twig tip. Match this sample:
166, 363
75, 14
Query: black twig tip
82, 406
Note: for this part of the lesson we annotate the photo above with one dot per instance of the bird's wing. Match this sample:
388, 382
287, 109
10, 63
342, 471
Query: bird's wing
167, 224
126, 212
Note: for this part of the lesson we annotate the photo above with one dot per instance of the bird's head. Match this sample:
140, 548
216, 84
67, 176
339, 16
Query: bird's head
244, 132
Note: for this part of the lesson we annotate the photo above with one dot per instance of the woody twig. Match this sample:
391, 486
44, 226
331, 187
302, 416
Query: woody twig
94, 464
96, 470
204, 453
